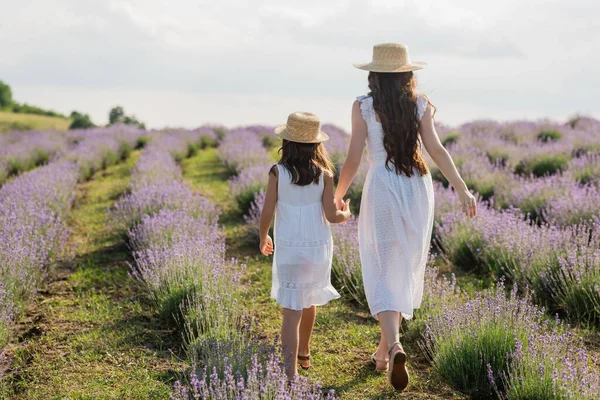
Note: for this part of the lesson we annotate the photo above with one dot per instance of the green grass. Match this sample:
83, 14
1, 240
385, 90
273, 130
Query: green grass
344, 336
92, 333
24, 122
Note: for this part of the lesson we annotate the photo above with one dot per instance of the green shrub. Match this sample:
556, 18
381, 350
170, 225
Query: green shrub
5, 96
142, 141
219, 133
450, 138
29, 109
244, 199
271, 141
81, 121
497, 155
20, 126
208, 141
549, 135
542, 165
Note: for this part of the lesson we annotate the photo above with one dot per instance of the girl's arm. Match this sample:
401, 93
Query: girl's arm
266, 215
332, 213
355, 152
442, 159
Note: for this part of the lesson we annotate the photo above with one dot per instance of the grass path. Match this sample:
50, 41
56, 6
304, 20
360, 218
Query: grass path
91, 333
344, 337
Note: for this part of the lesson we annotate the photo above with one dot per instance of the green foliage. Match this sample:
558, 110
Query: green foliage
81, 121
244, 199
574, 120
437, 175
220, 133
142, 141
117, 115
271, 142
497, 155
29, 109
549, 135
543, 164
5, 95
463, 362
450, 138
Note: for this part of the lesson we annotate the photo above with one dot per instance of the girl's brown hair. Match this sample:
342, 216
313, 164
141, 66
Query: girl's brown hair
395, 102
305, 161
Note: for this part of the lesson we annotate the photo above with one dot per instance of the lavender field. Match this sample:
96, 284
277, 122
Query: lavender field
132, 256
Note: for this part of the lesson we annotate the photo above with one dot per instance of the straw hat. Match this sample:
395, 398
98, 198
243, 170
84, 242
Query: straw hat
391, 57
302, 127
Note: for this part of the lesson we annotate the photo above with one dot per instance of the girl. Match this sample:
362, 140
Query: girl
301, 190
396, 213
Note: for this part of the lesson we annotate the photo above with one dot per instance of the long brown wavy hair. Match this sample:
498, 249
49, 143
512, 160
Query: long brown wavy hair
395, 102
305, 161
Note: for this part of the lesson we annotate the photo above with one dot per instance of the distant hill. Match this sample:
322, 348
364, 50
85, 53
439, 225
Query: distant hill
24, 122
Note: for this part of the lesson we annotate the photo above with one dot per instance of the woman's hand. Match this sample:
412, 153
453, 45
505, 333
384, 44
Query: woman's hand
468, 203
339, 203
346, 210
266, 246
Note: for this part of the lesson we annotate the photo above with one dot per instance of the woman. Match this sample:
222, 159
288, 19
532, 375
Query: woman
396, 213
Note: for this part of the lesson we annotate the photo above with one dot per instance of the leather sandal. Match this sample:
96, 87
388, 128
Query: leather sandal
379, 360
397, 372
304, 358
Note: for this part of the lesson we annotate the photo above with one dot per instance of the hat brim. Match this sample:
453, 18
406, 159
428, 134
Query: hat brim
283, 133
374, 67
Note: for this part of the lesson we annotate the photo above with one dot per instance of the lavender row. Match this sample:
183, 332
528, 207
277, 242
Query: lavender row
487, 345
242, 151
179, 252
33, 230
25, 151
491, 345
561, 264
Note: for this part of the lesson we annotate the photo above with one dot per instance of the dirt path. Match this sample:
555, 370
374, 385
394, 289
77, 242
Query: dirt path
91, 332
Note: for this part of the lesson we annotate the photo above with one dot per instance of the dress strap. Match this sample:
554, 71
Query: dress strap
422, 104
366, 107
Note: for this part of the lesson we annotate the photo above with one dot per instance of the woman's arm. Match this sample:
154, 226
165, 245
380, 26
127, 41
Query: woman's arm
332, 213
355, 152
442, 159
266, 215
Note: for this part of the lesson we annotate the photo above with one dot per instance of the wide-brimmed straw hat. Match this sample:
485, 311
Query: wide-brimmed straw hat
302, 127
391, 57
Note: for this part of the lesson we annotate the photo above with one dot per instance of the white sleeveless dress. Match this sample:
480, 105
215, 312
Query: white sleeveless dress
394, 226
303, 246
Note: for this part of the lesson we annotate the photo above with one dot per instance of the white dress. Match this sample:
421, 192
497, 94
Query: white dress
303, 246
394, 226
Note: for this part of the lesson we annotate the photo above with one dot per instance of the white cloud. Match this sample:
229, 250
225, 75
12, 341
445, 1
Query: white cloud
505, 59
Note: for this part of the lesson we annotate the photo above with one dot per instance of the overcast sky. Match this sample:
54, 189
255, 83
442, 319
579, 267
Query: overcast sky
189, 62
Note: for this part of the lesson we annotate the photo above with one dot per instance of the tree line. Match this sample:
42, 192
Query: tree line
79, 120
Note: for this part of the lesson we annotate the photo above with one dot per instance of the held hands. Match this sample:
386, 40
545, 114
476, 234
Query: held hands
468, 203
344, 207
266, 246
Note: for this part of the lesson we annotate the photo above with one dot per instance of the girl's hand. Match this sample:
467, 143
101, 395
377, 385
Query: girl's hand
468, 203
346, 210
266, 246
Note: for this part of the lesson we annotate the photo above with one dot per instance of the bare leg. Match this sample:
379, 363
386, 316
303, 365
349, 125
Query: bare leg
383, 348
306, 327
289, 340
390, 327
389, 321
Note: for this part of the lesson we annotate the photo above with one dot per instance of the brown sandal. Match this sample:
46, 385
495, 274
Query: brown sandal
304, 358
397, 373
379, 360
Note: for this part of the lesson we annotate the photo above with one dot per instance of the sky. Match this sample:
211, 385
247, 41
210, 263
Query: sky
184, 63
